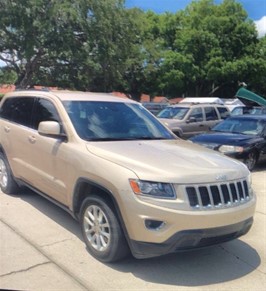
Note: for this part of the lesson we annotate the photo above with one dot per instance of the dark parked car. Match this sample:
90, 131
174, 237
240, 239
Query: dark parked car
242, 137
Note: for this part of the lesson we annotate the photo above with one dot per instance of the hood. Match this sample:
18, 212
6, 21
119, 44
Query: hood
171, 123
249, 98
224, 138
175, 161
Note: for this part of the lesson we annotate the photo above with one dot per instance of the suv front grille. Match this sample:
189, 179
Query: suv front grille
218, 195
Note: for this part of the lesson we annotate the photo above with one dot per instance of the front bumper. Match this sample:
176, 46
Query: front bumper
190, 239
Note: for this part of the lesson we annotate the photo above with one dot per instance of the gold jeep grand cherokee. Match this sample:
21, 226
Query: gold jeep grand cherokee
132, 184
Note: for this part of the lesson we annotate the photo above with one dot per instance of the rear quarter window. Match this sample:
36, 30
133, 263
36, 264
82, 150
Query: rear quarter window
224, 113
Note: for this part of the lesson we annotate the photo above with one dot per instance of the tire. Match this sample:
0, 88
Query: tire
8, 184
251, 160
101, 230
177, 133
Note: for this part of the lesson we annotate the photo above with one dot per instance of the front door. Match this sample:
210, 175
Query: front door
47, 157
194, 123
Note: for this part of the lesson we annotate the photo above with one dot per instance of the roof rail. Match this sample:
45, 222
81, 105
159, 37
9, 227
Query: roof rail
208, 100
197, 103
46, 89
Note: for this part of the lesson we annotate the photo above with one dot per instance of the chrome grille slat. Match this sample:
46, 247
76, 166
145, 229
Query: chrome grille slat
226, 194
234, 192
221, 196
199, 197
240, 188
238, 194
211, 198
217, 195
230, 193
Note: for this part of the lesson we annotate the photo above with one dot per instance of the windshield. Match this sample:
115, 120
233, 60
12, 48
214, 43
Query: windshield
106, 121
243, 126
173, 113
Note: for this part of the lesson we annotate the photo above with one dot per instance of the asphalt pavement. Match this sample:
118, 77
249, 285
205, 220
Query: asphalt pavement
41, 248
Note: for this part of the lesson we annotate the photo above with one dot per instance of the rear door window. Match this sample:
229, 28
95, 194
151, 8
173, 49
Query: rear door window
211, 113
18, 110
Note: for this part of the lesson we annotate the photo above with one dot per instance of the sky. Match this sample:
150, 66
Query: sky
256, 9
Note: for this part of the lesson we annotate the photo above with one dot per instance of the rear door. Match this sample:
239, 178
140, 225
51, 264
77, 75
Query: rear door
211, 117
15, 131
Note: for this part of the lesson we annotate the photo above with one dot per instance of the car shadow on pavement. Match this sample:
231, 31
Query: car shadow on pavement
260, 167
52, 211
223, 263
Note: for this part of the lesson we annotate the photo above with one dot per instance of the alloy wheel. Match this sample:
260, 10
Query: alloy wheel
97, 228
3, 174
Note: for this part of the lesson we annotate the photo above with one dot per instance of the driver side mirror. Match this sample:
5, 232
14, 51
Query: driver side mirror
50, 129
191, 120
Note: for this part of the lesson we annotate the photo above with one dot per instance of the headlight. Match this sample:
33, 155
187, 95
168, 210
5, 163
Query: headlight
225, 149
154, 189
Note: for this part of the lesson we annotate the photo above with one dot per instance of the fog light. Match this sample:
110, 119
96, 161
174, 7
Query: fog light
154, 224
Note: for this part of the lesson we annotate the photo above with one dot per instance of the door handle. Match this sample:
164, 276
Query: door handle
32, 139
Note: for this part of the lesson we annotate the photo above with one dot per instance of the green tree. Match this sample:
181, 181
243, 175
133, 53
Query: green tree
36, 35
82, 44
111, 37
207, 49
99, 45
256, 75
7, 76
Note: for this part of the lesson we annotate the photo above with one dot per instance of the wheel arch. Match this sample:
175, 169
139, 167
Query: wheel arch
11, 185
84, 188
178, 131
2, 150
256, 152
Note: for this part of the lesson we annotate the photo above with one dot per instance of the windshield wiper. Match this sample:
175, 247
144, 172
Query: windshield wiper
237, 132
217, 130
126, 138
107, 139
149, 138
